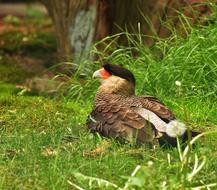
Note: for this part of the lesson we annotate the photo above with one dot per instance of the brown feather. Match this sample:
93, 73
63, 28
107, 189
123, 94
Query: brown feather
124, 123
154, 105
114, 116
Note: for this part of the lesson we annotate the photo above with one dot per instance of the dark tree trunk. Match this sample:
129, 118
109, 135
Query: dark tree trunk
62, 14
79, 23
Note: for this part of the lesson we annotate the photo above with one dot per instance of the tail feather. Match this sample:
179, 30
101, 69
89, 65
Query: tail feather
175, 128
166, 140
169, 130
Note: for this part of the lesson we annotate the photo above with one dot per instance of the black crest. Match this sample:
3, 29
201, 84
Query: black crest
119, 71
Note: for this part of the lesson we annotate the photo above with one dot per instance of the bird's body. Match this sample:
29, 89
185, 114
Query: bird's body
119, 113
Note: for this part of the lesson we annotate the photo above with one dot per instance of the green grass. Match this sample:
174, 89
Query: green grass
11, 73
44, 143
36, 44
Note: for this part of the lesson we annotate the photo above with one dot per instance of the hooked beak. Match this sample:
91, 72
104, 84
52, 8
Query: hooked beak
96, 74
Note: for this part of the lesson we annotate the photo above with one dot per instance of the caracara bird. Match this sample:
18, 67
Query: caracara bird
119, 113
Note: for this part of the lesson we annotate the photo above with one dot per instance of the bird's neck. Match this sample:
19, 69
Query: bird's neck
117, 85
114, 87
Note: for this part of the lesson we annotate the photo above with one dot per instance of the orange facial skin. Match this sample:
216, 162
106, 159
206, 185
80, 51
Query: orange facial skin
104, 74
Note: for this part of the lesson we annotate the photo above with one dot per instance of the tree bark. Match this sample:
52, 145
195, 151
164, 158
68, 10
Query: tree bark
79, 23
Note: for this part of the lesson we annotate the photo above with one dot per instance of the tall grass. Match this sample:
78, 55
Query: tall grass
190, 60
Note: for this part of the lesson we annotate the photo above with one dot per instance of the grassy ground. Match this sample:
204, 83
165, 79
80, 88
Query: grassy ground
44, 143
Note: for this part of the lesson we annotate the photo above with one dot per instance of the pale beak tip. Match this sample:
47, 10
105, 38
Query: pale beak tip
96, 74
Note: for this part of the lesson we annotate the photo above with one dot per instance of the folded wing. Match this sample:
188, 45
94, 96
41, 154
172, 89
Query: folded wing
119, 121
157, 107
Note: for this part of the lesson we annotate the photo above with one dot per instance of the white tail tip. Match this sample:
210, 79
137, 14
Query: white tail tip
175, 128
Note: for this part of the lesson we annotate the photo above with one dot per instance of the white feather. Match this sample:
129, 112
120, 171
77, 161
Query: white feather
159, 124
174, 128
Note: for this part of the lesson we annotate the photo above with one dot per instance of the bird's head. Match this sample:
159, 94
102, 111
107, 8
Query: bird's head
116, 78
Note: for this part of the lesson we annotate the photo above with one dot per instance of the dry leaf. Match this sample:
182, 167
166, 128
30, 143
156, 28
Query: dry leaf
49, 152
100, 149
